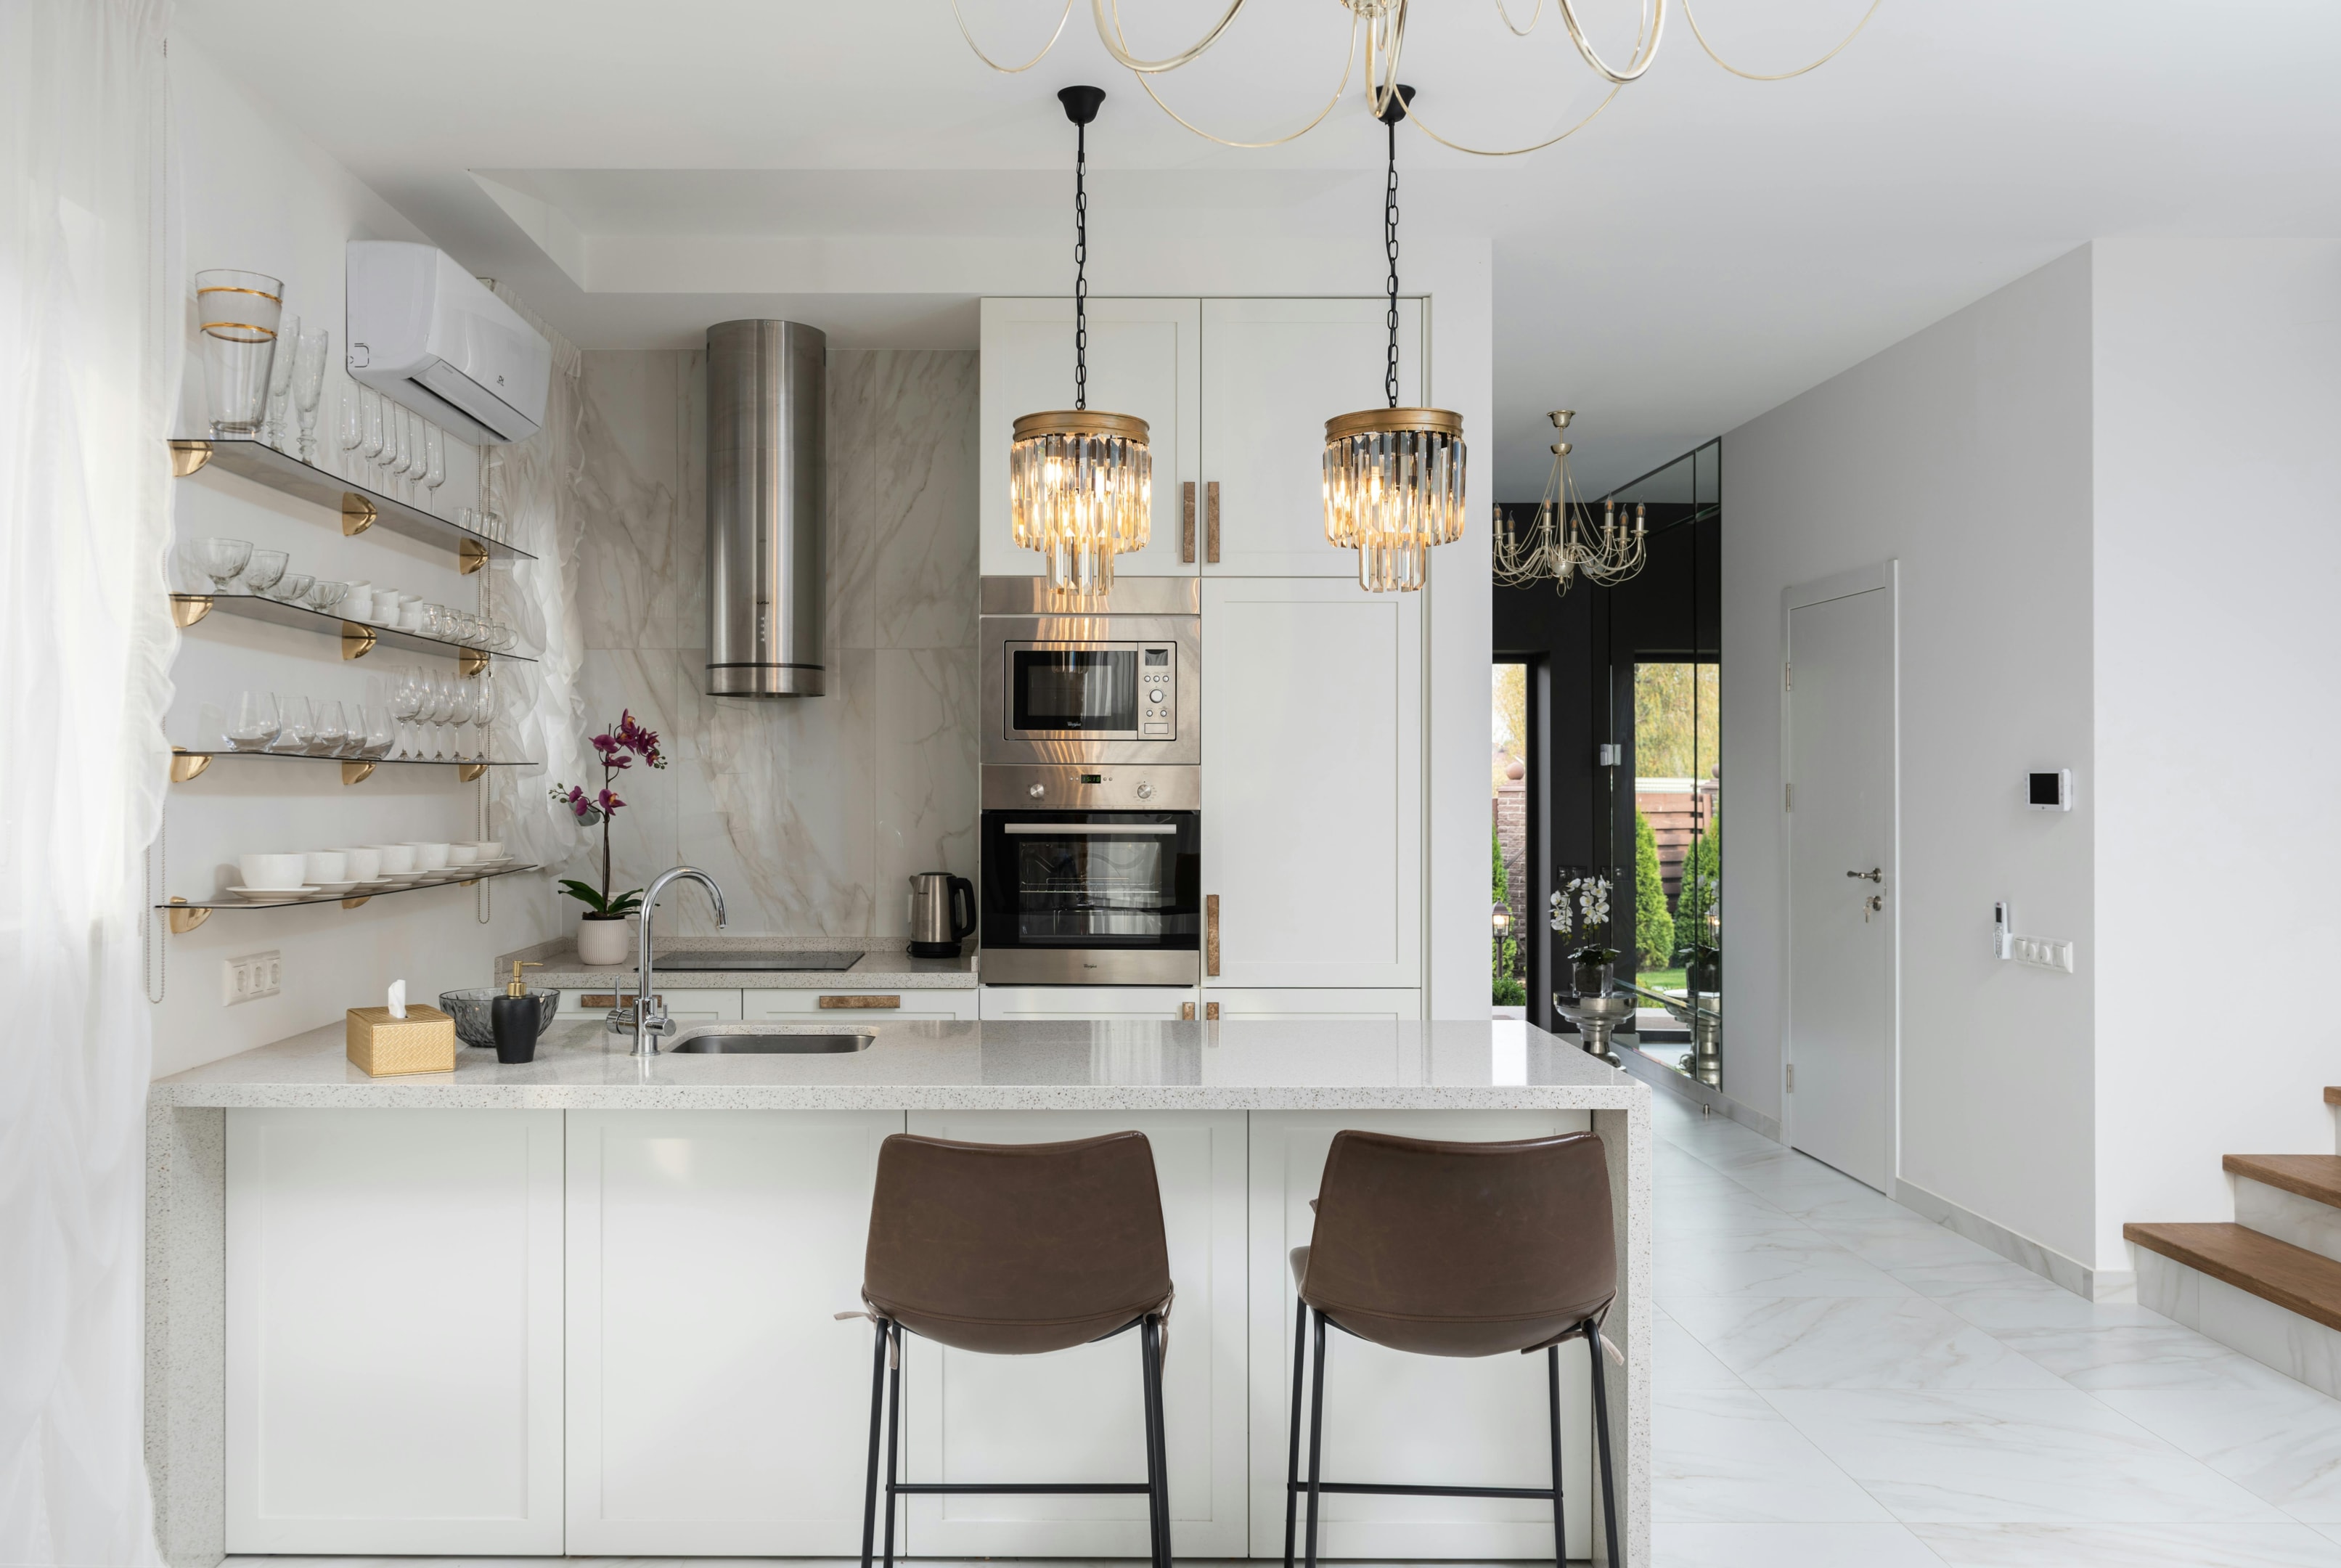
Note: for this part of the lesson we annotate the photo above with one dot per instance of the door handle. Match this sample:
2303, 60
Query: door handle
1186, 523
1875, 874
1211, 522
1211, 934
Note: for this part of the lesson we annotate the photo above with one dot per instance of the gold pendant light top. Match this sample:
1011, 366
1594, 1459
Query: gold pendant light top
1080, 422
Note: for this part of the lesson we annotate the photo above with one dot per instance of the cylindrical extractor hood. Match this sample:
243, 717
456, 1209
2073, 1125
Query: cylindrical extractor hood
767, 508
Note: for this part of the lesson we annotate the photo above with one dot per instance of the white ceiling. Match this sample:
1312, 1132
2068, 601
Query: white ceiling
1705, 249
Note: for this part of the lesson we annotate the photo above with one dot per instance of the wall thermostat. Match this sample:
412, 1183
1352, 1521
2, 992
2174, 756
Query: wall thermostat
2049, 792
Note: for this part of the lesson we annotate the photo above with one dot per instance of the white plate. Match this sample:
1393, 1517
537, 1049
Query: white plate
264, 894
335, 887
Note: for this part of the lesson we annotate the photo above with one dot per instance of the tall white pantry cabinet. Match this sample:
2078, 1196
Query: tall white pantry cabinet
1312, 699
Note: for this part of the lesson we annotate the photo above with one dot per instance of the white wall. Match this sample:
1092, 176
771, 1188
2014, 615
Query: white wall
255, 194
2218, 393
1963, 453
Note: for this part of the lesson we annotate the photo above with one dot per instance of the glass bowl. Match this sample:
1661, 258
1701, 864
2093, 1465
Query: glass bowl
474, 1024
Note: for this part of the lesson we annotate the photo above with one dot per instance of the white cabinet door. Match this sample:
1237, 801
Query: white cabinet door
715, 1406
393, 1332
1144, 360
1374, 1006
683, 1006
858, 1007
1069, 1002
1416, 1419
1076, 1415
1312, 787
1274, 371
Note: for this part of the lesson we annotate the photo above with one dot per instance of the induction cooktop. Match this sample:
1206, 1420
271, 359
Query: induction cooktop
740, 958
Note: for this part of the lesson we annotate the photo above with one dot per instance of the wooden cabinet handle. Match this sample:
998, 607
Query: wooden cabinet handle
619, 999
1186, 523
1212, 1012
1187, 1010
830, 1002
1211, 933
1211, 522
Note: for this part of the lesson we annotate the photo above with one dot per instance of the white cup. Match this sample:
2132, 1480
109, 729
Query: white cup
325, 866
357, 605
363, 865
429, 856
489, 848
270, 871
397, 859
461, 853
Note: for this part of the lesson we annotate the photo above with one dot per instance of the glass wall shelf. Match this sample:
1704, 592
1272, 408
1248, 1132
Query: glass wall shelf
453, 875
384, 762
359, 508
358, 638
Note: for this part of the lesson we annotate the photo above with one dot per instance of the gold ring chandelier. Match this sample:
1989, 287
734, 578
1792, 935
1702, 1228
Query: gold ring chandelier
1383, 24
1562, 544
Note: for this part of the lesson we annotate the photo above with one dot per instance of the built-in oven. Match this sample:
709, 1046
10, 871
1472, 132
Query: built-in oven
1092, 877
1095, 685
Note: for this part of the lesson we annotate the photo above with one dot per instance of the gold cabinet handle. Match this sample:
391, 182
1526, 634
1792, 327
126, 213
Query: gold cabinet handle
1187, 1010
1211, 522
608, 999
1211, 934
1212, 1012
835, 1002
1186, 523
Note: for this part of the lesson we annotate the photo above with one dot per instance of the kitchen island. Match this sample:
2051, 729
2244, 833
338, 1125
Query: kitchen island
584, 1305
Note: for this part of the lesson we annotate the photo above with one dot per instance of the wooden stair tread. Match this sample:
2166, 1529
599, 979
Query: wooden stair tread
2294, 1278
2315, 1176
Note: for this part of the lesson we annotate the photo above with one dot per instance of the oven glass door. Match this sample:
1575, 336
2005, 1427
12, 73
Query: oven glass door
1092, 879
1091, 689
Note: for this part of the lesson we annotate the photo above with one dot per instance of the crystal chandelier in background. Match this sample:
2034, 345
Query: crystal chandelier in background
1562, 544
1080, 483
1393, 476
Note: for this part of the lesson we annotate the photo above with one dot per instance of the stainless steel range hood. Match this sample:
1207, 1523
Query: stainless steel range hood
767, 509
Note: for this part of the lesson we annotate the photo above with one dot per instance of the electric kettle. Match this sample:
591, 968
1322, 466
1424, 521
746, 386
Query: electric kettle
937, 927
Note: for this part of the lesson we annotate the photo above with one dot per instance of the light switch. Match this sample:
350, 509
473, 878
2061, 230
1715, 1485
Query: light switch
2044, 952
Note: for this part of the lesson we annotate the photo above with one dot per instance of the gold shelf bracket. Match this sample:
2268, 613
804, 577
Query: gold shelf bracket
470, 660
187, 456
186, 765
357, 640
183, 921
467, 881
467, 772
356, 772
186, 609
357, 513
471, 554
354, 903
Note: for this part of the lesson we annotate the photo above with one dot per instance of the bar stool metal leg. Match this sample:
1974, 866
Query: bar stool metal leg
1316, 1431
1601, 1442
1552, 1395
893, 1431
877, 1398
1293, 1447
1158, 1521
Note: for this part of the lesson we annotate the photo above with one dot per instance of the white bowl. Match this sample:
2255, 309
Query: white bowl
363, 865
270, 871
462, 853
428, 856
323, 866
489, 848
397, 859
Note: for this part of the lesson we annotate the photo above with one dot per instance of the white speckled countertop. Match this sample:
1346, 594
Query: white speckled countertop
884, 966
1024, 1065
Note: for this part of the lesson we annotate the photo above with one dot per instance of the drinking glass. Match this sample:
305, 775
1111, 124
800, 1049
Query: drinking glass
238, 311
325, 596
276, 430
435, 457
294, 724
293, 587
433, 623
380, 731
404, 463
333, 730
261, 572
370, 404
459, 716
353, 420
255, 723
224, 558
308, 385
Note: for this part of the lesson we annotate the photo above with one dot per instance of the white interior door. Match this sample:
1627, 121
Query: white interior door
1274, 371
1144, 360
1841, 883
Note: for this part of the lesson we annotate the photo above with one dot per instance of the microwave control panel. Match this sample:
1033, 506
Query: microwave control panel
1157, 690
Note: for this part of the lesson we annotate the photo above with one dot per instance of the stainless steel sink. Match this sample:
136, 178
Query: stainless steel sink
759, 1039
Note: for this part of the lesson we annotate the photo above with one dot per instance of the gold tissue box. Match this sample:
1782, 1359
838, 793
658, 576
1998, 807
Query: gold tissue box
381, 1047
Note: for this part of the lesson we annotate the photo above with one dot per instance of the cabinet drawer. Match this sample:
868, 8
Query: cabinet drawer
684, 1006
860, 1006
1162, 1002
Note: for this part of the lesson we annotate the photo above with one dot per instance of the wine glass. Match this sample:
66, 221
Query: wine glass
332, 732
370, 447
435, 458
404, 465
308, 385
224, 558
380, 731
255, 723
264, 570
296, 725
274, 430
459, 714
351, 427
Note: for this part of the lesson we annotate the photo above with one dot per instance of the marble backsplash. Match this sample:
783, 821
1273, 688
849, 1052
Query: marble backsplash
811, 812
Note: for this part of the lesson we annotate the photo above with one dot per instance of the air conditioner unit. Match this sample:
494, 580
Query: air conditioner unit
425, 332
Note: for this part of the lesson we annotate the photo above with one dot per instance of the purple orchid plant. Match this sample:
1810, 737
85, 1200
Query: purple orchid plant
617, 748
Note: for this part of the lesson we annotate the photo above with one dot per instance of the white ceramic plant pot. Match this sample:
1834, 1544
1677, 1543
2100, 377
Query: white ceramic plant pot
604, 941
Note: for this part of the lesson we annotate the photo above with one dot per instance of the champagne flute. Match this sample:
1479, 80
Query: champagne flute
308, 384
352, 417
370, 446
434, 460
275, 429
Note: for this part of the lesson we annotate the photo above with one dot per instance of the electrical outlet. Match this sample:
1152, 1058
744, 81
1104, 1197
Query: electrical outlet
252, 977
2044, 953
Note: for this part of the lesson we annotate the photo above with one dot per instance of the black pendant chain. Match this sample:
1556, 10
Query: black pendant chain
1390, 117
1082, 270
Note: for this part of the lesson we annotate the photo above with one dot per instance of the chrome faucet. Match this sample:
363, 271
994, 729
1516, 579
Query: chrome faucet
647, 1018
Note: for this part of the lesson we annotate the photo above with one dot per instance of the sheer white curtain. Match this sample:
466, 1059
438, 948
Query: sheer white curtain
90, 329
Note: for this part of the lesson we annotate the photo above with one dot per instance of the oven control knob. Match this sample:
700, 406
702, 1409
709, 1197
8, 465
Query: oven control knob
1036, 791
1154, 696
1146, 791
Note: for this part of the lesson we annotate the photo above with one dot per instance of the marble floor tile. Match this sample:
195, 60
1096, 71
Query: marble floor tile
2330, 1531
2283, 1444
1997, 1297
1682, 1362
1685, 1546
1895, 1241
2010, 1456
1723, 1455
2152, 1355
1895, 1341
2127, 1545
1781, 1260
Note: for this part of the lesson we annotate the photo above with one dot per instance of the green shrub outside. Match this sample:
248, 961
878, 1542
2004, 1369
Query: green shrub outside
1654, 928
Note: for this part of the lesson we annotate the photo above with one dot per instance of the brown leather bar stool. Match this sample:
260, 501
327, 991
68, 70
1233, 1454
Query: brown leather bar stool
1461, 1250
1016, 1249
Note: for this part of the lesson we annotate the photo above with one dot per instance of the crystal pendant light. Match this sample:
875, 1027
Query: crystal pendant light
1080, 483
1562, 544
1393, 476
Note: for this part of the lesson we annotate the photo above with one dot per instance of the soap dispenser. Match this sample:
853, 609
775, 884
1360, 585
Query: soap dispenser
515, 1017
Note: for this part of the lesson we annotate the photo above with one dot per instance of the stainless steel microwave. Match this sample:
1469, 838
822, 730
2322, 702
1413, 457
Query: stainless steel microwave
1100, 686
